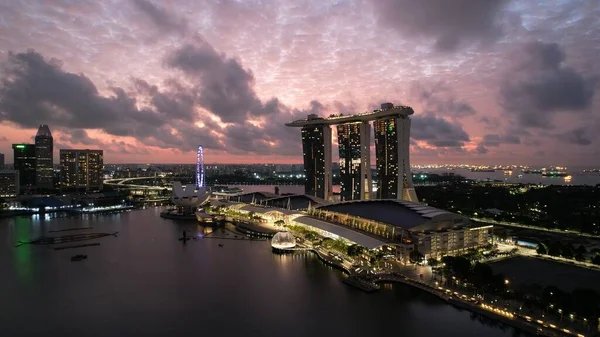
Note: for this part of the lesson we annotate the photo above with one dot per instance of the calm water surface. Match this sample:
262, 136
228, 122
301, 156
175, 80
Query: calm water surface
146, 283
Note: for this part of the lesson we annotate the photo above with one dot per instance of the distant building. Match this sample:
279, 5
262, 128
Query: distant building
9, 183
316, 145
1, 161
81, 169
44, 166
355, 160
24, 162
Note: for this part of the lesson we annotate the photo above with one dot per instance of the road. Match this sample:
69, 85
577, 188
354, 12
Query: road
537, 228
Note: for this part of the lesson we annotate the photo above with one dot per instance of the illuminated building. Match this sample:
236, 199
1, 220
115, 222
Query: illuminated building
44, 165
316, 145
81, 169
355, 160
392, 141
200, 175
24, 159
392, 146
283, 240
9, 183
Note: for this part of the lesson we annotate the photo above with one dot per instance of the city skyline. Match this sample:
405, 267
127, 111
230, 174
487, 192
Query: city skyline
513, 82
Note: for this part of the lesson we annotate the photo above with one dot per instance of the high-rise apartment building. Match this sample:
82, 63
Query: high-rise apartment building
9, 183
44, 166
316, 145
81, 169
24, 162
355, 160
392, 145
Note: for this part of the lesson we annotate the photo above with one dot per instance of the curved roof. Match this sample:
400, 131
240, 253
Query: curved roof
405, 214
345, 232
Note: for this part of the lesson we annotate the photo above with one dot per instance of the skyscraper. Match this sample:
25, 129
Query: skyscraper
44, 166
392, 145
355, 160
392, 141
24, 158
9, 183
316, 145
81, 169
1, 161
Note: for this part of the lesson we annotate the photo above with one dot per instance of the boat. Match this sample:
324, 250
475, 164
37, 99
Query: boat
554, 174
482, 169
528, 171
78, 257
220, 245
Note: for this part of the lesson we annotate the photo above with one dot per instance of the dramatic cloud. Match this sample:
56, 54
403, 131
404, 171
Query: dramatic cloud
578, 136
35, 91
164, 20
449, 24
540, 85
497, 140
225, 87
439, 99
438, 132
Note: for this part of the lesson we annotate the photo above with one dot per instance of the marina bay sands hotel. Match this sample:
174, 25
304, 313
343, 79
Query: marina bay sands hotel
392, 141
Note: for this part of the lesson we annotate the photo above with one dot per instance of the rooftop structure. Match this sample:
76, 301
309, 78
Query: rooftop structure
188, 196
387, 110
407, 215
392, 143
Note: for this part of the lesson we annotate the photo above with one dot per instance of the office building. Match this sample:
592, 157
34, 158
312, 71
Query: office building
44, 166
316, 146
24, 162
81, 169
392, 141
1, 161
9, 183
355, 160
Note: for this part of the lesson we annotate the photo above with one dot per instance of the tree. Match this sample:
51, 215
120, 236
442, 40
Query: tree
279, 223
581, 250
567, 251
579, 257
433, 262
596, 260
555, 249
541, 249
415, 256
355, 250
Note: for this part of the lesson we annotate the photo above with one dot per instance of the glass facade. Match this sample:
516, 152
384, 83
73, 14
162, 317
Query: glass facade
316, 146
350, 161
81, 169
44, 149
386, 152
25, 163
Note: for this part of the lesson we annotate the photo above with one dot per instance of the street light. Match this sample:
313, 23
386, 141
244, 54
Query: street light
506, 282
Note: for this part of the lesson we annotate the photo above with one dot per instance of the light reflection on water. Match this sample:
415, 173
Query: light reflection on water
146, 282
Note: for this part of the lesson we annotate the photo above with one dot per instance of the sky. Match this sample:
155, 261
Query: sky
491, 81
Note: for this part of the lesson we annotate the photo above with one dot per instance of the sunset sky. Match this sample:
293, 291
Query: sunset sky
491, 81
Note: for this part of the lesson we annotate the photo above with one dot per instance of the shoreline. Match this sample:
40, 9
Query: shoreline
517, 322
